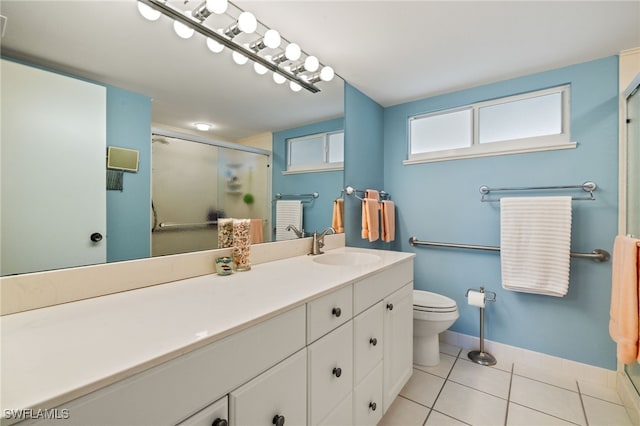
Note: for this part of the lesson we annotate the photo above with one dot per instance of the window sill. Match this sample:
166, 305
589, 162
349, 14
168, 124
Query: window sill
319, 170
486, 150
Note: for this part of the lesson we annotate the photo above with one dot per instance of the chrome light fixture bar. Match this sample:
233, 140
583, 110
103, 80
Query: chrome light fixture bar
178, 16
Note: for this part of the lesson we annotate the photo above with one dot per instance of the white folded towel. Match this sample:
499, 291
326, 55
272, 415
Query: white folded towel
288, 212
535, 244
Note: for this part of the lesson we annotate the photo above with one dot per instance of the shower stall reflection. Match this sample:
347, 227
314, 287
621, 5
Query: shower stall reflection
195, 183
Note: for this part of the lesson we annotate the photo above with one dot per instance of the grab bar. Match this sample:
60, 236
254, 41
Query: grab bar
597, 255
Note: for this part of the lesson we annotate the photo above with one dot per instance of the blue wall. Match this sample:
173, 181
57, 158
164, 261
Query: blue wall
128, 212
318, 214
440, 202
364, 159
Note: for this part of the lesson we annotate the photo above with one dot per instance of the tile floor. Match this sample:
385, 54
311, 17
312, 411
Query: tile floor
460, 392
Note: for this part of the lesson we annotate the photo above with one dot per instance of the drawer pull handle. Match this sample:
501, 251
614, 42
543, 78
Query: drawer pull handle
337, 371
373, 341
220, 422
278, 420
390, 306
373, 406
337, 312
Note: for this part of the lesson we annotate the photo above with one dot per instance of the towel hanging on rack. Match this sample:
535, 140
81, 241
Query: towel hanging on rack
370, 215
535, 244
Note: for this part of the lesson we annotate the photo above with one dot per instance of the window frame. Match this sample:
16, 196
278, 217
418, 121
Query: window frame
323, 166
511, 146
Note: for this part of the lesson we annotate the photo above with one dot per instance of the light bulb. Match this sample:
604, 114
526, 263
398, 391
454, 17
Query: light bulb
182, 30
259, 68
217, 6
292, 52
203, 127
214, 46
327, 74
311, 64
295, 86
148, 12
247, 23
239, 58
272, 39
278, 79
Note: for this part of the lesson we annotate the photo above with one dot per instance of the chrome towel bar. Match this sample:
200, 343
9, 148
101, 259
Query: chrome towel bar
586, 187
304, 198
597, 255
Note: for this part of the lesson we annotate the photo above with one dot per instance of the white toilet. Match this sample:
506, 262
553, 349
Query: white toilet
432, 314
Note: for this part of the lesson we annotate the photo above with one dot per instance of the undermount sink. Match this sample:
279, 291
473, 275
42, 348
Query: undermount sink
346, 259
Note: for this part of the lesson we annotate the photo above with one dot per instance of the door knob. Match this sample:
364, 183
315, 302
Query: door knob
96, 237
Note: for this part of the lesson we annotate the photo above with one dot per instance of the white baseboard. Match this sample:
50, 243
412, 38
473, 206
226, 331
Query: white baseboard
629, 396
524, 359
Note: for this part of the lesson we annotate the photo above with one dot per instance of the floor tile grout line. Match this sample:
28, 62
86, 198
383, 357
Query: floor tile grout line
506, 414
442, 387
584, 411
451, 417
545, 413
546, 383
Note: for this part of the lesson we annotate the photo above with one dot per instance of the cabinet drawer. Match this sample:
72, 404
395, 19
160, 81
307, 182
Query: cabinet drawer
330, 371
328, 312
279, 394
367, 341
170, 392
367, 398
214, 415
342, 415
375, 288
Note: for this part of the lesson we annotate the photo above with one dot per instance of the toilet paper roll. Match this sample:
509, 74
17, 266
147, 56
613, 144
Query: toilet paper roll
475, 298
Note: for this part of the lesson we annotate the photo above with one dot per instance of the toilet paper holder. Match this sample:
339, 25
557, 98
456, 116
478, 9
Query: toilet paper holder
480, 356
490, 296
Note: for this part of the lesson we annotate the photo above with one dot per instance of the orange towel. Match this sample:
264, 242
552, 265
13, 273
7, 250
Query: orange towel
256, 231
388, 219
337, 222
370, 209
623, 323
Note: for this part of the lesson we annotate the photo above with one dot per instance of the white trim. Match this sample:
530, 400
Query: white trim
331, 167
489, 150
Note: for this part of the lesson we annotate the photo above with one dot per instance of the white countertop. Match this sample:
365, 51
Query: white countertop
52, 355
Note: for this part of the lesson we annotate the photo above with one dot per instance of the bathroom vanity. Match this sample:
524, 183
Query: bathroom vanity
306, 340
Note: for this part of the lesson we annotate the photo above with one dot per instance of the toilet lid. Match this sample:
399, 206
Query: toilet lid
432, 302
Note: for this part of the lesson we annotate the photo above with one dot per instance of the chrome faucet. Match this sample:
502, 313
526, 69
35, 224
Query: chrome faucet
299, 234
318, 241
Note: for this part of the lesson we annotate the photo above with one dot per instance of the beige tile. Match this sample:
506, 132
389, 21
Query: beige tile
603, 413
501, 364
446, 348
547, 398
404, 413
439, 419
471, 406
482, 378
422, 388
601, 392
545, 375
440, 370
523, 416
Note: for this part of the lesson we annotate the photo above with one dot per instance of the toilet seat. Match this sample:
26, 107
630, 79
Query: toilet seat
425, 301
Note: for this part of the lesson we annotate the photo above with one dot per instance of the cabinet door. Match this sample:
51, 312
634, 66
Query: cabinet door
342, 415
367, 399
217, 414
367, 340
398, 342
276, 397
330, 371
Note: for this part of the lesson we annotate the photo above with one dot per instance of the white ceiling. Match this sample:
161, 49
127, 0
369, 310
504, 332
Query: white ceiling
393, 51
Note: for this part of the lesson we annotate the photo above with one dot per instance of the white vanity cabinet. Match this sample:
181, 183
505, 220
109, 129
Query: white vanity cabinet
217, 414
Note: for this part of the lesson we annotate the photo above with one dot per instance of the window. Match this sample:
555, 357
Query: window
319, 152
533, 121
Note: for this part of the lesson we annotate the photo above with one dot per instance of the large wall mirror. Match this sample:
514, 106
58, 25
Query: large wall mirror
145, 77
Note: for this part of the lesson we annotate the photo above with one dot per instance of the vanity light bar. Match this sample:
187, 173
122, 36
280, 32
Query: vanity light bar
162, 7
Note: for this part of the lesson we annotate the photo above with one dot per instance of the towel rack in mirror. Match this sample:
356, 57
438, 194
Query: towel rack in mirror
305, 198
588, 186
597, 255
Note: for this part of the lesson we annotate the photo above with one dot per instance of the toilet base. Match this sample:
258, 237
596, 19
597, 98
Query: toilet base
426, 350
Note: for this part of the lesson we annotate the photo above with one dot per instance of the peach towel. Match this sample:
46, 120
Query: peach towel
623, 323
256, 231
337, 222
370, 209
388, 219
